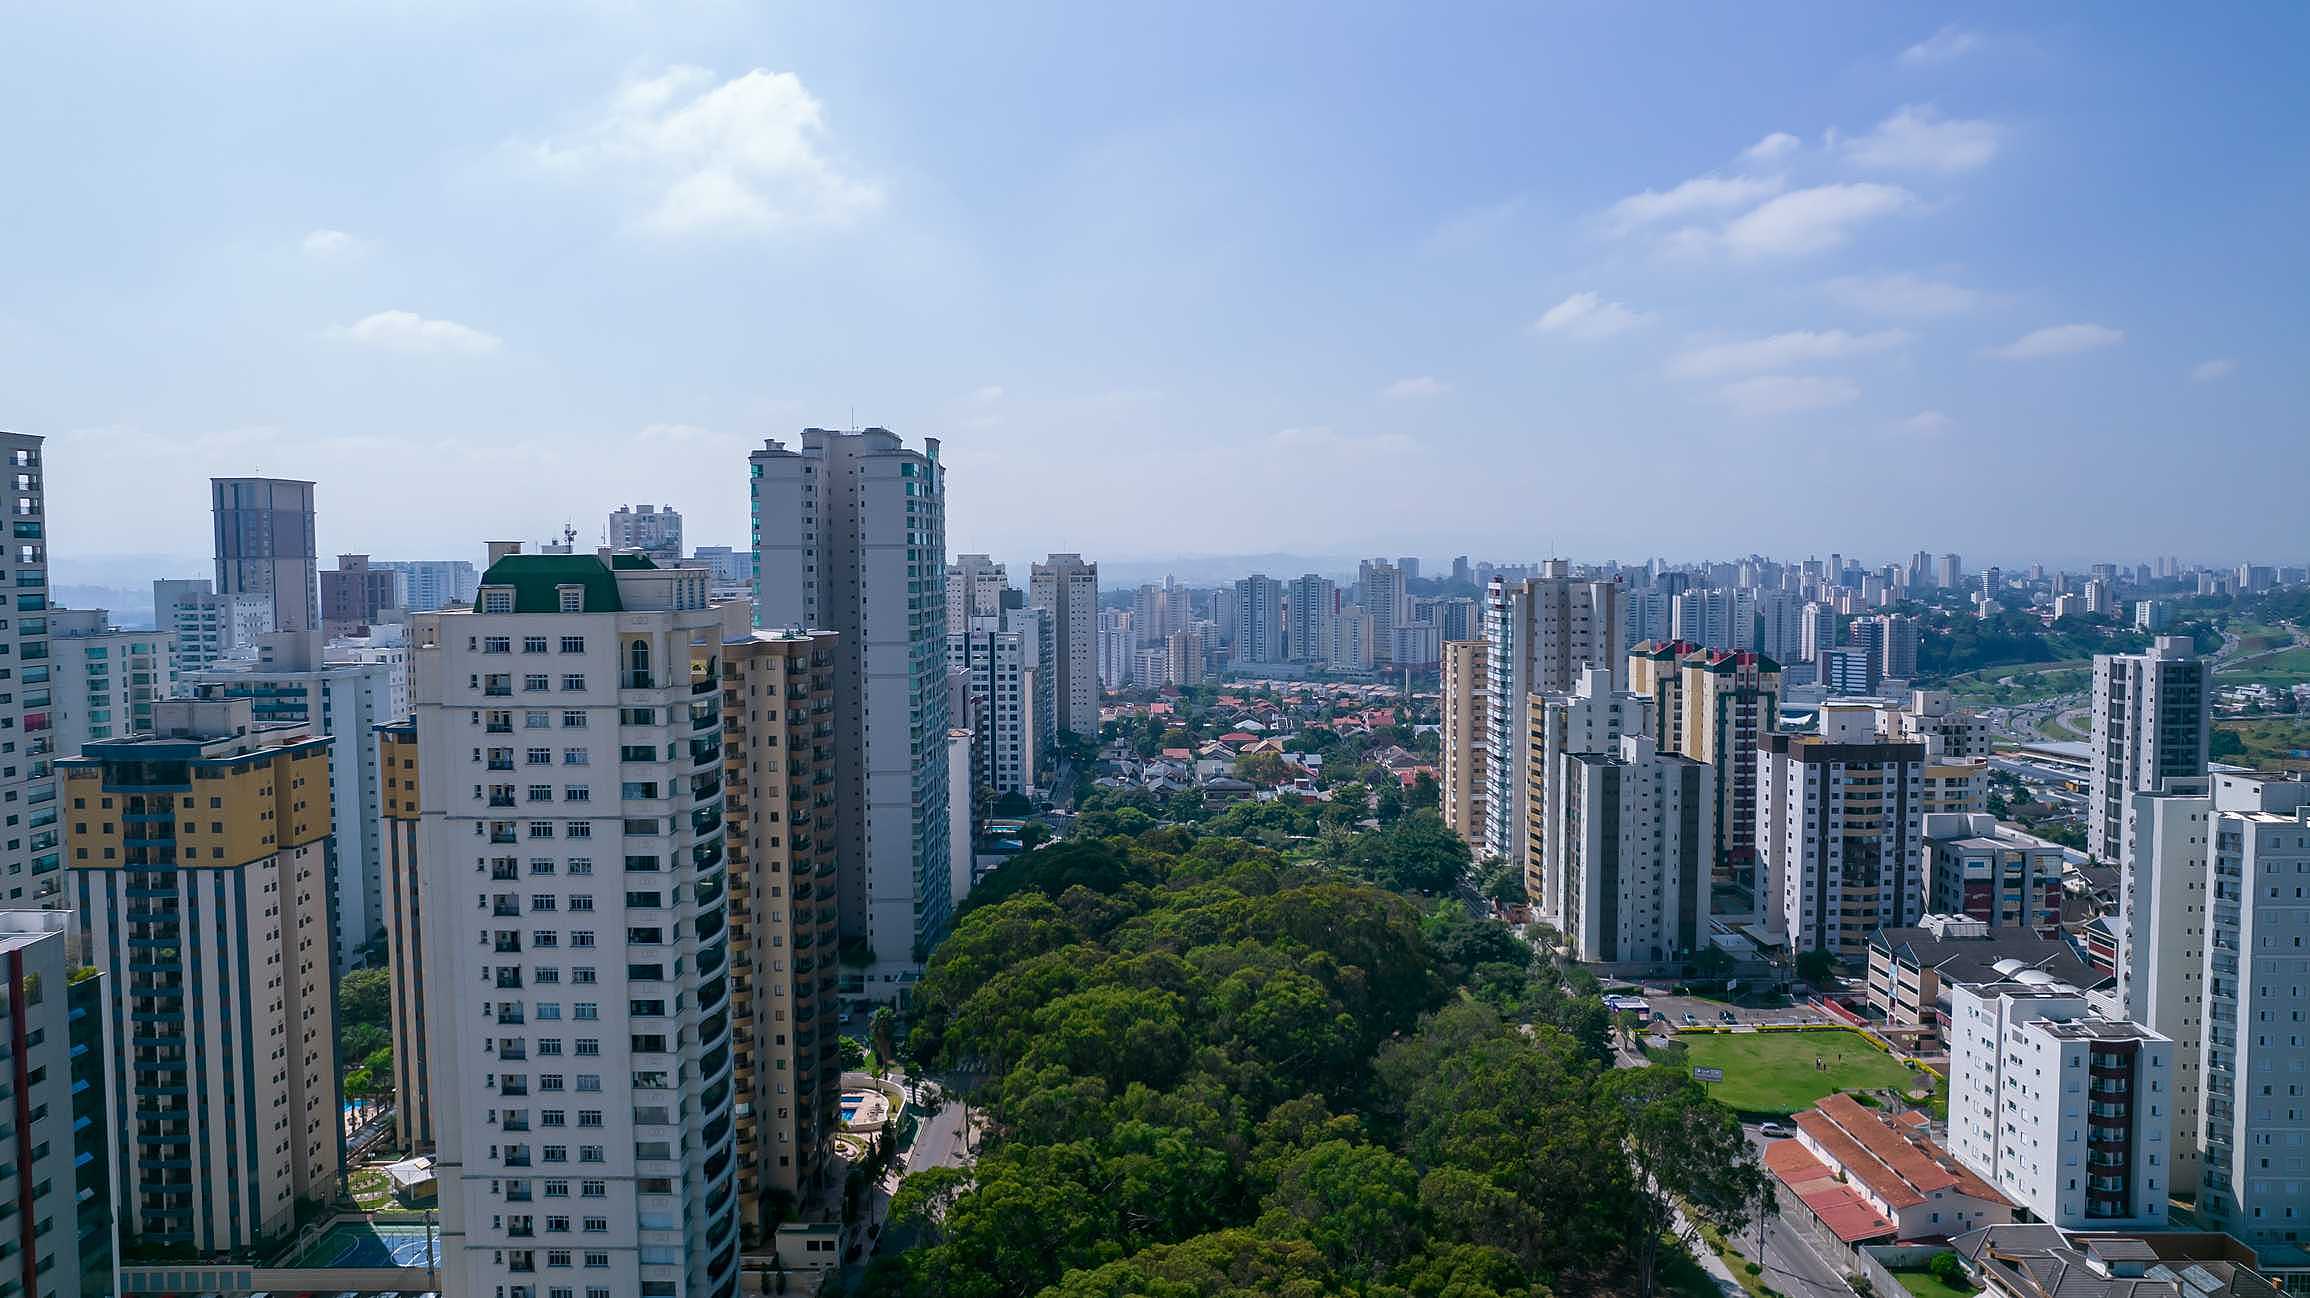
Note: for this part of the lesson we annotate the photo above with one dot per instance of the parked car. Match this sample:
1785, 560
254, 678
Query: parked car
1727, 1016
1775, 1131
1690, 1021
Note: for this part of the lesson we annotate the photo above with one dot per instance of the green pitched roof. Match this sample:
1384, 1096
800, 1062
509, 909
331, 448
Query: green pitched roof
537, 580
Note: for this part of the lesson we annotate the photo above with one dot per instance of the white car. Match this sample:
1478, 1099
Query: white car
1775, 1131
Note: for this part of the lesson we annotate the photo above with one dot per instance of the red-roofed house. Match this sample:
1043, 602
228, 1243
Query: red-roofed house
1897, 1171
1832, 1203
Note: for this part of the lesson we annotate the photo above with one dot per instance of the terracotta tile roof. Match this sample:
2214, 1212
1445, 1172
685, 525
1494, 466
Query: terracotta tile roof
1835, 1203
1903, 1169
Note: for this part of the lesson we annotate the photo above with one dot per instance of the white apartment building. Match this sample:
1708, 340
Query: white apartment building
2255, 1182
2065, 1113
295, 679
1313, 608
1592, 717
1381, 593
1638, 843
1415, 644
1259, 625
850, 537
1117, 642
975, 585
106, 679
1001, 668
2161, 957
208, 627
1840, 832
29, 857
2152, 721
1354, 647
1069, 589
435, 583
576, 980
1543, 632
655, 530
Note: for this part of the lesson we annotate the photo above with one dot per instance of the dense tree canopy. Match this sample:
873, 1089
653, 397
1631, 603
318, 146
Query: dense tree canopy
1214, 1071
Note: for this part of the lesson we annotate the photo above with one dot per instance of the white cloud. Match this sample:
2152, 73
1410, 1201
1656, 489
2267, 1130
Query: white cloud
1942, 46
407, 331
745, 154
1919, 138
2210, 371
1329, 441
1773, 147
1784, 394
1902, 295
1809, 220
1928, 423
1798, 347
1422, 386
987, 395
1587, 315
2059, 340
331, 243
1699, 194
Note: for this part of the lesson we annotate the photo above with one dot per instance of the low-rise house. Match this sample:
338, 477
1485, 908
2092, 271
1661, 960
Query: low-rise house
1845, 1154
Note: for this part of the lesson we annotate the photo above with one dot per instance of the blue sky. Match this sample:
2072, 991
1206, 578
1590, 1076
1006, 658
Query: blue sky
1514, 280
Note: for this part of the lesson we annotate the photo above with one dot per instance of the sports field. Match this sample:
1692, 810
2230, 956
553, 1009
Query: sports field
1784, 1072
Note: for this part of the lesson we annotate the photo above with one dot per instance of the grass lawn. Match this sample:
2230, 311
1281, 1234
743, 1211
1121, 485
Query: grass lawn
2270, 741
2285, 668
2032, 682
1774, 1072
2052, 728
372, 1189
1923, 1284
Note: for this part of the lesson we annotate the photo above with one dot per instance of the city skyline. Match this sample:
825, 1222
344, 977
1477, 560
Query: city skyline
1903, 254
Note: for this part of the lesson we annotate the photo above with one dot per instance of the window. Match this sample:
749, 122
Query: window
573, 718
580, 903
496, 644
586, 1011
573, 599
581, 865
581, 937
541, 829
594, 1189
497, 601
535, 681
573, 681
573, 644
557, 1189
538, 757
581, 829
574, 757
536, 720
533, 644
588, 1047
540, 793
593, 1154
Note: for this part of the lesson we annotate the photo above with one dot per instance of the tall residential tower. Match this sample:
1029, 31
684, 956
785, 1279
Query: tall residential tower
850, 536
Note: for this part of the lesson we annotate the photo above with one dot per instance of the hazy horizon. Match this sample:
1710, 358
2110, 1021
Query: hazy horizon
1196, 280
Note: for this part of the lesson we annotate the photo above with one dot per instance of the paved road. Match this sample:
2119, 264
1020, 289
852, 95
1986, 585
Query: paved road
1790, 1263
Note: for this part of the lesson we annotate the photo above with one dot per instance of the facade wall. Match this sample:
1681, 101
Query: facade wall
577, 989
850, 536
202, 883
